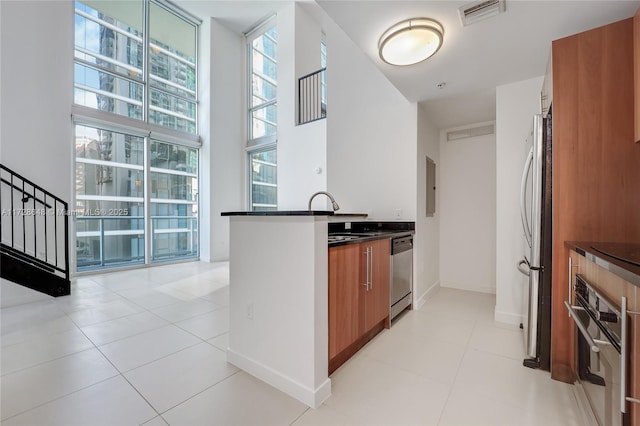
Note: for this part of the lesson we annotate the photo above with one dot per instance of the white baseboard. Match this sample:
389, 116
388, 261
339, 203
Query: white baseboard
312, 397
507, 317
431, 291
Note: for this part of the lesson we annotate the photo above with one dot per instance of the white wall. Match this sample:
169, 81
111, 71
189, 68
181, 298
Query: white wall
302, 150
515, 105
426, 242
467, 192
371, 135
278, 316
221, 127
36, 92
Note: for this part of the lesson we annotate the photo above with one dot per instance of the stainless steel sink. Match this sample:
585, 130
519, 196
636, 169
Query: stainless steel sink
333, 238
349, 236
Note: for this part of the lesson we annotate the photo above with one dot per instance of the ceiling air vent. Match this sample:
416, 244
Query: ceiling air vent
477, 11
470, 132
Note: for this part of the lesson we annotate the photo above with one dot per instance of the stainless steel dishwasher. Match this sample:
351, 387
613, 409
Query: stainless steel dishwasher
401, 274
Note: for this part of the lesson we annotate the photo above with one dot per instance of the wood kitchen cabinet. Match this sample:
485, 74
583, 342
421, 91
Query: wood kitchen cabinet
595, 162
344, 297
359, 277
636, 72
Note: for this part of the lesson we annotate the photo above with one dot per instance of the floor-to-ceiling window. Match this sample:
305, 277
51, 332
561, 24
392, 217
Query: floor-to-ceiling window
136, 141
174, 196
262, 117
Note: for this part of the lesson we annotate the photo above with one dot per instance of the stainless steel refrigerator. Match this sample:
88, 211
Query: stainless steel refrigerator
535, 212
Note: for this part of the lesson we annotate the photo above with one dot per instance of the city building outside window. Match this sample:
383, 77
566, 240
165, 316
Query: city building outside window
262, 117
136, 142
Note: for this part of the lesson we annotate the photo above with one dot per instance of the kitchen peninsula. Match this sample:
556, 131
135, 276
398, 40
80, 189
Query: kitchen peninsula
278, 300
297, 306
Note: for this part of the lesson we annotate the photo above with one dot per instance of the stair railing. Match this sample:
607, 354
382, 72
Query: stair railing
312, 102
34, 224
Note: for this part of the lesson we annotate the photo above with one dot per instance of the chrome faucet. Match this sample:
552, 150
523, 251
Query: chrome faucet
333, 202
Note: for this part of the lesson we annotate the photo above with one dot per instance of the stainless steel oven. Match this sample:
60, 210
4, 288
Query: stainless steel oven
601, 351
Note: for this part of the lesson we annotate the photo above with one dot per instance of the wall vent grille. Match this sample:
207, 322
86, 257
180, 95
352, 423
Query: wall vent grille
471, 132
478, 11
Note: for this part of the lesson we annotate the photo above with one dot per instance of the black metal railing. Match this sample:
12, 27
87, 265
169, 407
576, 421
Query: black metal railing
34, 224
312, 100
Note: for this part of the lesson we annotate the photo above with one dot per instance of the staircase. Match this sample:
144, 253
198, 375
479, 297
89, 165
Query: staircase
34, 250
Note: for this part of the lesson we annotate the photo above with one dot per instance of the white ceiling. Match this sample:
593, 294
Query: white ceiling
473, 60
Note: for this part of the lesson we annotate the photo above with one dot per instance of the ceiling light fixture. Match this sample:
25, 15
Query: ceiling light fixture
411, 41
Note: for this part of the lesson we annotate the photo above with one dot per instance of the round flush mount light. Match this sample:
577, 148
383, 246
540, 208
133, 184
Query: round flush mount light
411, 41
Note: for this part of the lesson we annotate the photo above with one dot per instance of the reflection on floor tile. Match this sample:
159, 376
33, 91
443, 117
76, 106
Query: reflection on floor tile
143, 348
46, 348
112, 402
241, 399
323, 415
221, 342
110, 331
174, 379
148, 347
26, 389
185, 310
207, 326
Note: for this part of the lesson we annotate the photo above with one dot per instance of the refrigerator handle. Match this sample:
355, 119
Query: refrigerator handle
521, 269
523, 197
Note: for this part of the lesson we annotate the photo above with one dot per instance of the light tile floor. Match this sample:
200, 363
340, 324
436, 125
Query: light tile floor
147, 347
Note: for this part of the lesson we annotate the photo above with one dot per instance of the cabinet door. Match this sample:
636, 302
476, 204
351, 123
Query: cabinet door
344, 297
377, 297
636, 72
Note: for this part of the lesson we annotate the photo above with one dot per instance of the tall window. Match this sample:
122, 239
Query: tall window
262, 117
136, 144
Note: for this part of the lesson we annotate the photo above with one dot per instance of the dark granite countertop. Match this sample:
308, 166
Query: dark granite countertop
360, 238
622, 259
359, 232
293, 213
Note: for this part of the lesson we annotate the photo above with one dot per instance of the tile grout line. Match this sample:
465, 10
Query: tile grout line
94, 346
455, 378
121, 374
60, 397
202, 391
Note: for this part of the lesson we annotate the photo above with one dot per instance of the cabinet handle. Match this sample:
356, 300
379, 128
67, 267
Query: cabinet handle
623, 357
571, 266
624, 349
366, 284
371, 268
366, 259
569, 298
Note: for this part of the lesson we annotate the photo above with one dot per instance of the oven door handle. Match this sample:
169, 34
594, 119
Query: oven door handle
583, 330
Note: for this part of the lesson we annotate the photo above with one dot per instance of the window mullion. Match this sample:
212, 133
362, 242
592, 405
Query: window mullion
263, 105
148, 221
145, 62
